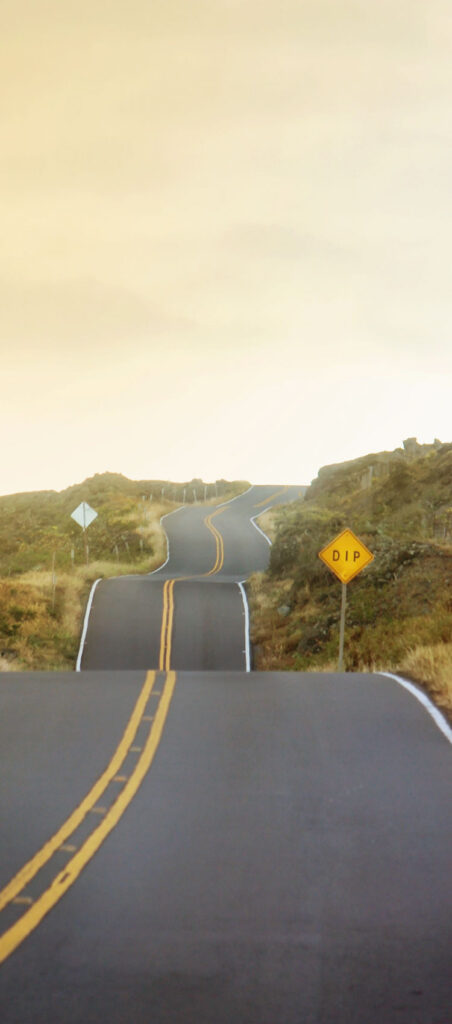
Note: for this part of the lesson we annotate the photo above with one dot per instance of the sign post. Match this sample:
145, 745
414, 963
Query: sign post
340, 665
346, 556
84, 515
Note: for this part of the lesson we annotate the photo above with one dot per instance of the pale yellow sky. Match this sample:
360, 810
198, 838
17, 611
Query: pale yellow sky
226, 235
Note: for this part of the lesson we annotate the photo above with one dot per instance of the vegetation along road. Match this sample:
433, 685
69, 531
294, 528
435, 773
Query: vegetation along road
184, 840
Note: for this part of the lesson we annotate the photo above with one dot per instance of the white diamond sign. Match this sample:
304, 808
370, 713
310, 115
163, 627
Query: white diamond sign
84, 514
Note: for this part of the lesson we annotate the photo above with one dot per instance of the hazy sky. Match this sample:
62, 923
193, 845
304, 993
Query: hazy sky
226, 235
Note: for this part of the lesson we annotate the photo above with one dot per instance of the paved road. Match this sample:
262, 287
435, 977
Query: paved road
217, 847
285, 859
215, 548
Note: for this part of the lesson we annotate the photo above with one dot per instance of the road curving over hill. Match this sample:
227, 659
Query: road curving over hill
190, 613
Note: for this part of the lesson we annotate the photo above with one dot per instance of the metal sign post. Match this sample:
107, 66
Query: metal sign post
340, 666
346, 556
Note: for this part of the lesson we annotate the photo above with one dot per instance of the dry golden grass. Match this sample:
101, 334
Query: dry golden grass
267, 597
329, 666
267, 523
259, 597
432, 666
152, 532
8, 666
31, 633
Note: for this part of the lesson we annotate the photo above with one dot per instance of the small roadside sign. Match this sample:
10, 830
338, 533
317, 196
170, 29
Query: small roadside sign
346, 556
84, 514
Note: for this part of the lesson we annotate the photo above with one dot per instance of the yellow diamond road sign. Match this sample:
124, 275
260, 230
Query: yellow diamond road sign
346, 555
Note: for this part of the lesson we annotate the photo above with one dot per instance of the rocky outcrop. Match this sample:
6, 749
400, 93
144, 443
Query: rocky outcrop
371, 467
413, 449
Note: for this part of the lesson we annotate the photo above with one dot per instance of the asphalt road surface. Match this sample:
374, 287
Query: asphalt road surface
284, 860
218, 846
211, 550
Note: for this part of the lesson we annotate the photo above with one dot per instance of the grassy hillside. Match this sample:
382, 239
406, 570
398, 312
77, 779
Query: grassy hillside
44, 575
399, 610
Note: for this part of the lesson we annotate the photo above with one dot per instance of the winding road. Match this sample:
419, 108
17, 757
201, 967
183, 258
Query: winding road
184, 841
191, 613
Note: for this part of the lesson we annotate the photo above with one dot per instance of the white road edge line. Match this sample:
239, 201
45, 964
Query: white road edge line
435, 713
256, 527
85, 625
247, 626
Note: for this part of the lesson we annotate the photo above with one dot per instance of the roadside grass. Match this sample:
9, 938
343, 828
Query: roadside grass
267, 522
6, 666
399, 610
433, 667
418, 647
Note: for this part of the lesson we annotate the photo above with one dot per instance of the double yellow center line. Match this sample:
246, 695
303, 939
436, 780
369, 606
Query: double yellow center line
123, 787
219, 560
166, 632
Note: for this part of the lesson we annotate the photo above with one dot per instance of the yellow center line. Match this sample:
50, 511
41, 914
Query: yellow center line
170, 627
31, 868
166, 632
167, 626
163, 626
219, 544
272, 497
15, 935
